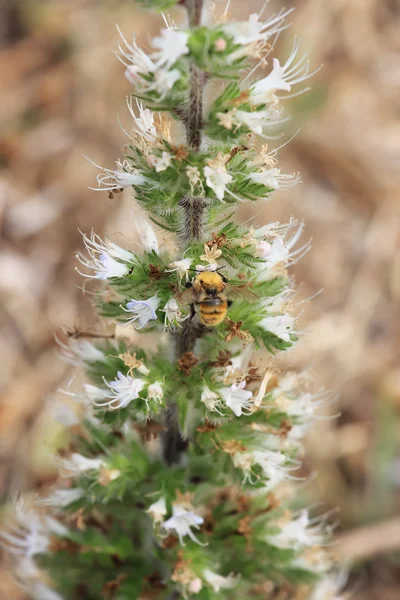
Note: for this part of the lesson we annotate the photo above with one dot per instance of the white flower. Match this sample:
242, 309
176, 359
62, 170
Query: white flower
30, 532
40, 591
144, 124
281, 78
76, 351
237, 398
248, 32
211, 400
263, 388
146, 234
272, 178
76, 407
276, 305
78, 464
163, 162
245, 462
63, 497
173, 314
124, 389
276, 250
316, 560
155, 392
143, 311
115, 179
194, 177
157, 511
274, 253
195, 586
182, 521
29, 577
94, 393
328, 588
181, 267
136, 61
218, 582
106, 258
274, 466
281, 326
304, 405
171, 45
201, 268
64, 414
297, 534
217, 179
164, 81
257, 120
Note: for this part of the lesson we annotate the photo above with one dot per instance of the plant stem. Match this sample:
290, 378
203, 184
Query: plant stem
173, 442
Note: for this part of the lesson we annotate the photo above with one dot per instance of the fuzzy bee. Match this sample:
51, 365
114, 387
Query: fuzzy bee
210, 301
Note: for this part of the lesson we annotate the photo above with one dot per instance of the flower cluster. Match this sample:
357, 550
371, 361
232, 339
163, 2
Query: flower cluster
181, 458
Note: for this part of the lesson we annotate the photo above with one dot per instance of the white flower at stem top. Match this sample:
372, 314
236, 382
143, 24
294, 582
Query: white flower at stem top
106, 258
173, 314
218, 582
142, 311
281, 78
280, 325
123, 390
182, 521
237, 398
297, 533
217, 178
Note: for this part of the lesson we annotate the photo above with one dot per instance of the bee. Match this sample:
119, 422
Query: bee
210, 301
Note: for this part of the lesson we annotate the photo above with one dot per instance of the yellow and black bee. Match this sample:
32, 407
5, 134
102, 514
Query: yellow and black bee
210, 301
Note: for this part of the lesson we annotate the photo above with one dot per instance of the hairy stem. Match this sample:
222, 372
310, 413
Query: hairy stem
173, 442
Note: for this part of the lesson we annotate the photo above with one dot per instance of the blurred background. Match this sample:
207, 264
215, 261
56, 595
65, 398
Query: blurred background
61, 89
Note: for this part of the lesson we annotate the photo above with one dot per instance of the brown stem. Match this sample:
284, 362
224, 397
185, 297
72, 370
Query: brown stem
193, 224
173, 442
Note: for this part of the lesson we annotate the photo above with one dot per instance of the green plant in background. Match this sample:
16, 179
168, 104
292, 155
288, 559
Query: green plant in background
179, 474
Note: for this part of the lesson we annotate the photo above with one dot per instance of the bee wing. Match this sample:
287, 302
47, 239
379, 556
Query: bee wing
240, 291
185, 297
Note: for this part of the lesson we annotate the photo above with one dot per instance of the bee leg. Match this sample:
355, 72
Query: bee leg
230, 302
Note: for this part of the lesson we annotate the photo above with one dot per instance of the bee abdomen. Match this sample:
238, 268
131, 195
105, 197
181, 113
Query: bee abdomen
212, 311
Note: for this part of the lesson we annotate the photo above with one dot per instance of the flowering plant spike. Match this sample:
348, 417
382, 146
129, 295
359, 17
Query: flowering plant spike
181, 466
